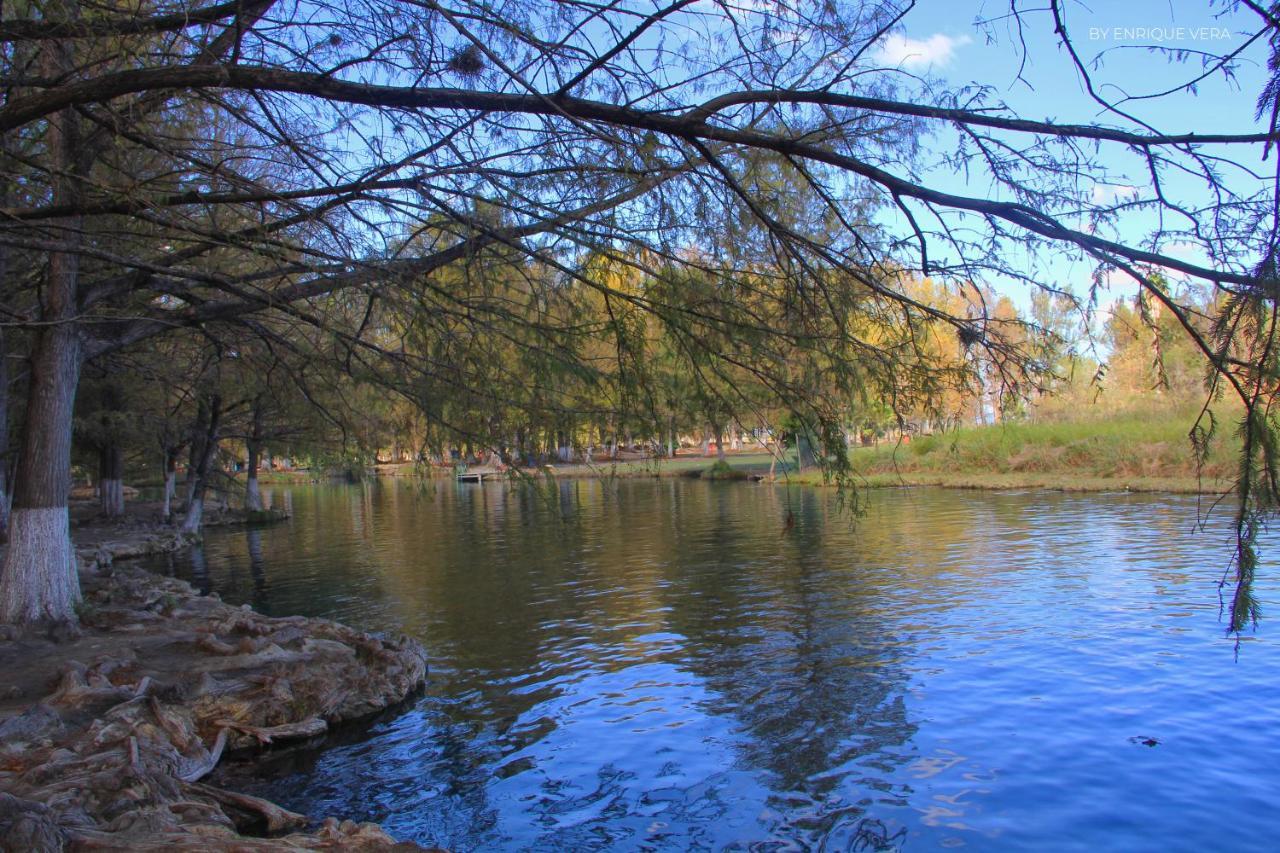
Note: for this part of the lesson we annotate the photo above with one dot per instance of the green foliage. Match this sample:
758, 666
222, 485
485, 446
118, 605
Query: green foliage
1150, 443
722, 470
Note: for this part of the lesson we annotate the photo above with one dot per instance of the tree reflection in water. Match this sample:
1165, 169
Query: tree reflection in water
666, 664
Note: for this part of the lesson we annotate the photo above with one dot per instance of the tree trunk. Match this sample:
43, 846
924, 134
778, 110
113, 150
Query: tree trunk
198, 431
6, 198
209, 445
806, 457
170, 482
39, 579
719, 442
111, 479
111, 455
671, 439
4, 417
252, 495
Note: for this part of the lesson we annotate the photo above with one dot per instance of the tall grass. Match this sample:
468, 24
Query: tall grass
1147, 442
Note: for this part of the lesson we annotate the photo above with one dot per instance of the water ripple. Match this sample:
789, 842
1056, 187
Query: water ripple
660, 666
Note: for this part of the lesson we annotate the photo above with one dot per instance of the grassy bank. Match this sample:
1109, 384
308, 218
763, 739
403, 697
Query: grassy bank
1139, 451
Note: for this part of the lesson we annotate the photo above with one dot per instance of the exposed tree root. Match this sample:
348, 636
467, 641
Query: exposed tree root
146, 701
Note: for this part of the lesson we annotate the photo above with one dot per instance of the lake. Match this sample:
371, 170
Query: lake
671, 665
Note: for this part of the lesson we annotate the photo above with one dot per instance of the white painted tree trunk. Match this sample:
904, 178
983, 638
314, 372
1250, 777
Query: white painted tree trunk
200, 479
195, 515
191, 486
41, 580
252, 494
111, 497
170, 487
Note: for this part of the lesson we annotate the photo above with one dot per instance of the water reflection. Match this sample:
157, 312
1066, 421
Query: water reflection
257, 570
666, 665
199, 570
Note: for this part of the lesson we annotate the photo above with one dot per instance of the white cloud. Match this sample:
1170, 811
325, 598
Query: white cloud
1183, 249
918, 54
1113, 193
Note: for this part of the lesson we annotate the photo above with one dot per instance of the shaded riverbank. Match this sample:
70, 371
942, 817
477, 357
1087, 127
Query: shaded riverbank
107, 731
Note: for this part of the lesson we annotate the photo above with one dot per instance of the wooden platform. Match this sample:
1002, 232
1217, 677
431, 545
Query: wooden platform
478, 475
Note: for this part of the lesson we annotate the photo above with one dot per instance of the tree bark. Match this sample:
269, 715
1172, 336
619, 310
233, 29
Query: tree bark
252, 494
170, 482
806, 455
4, 418
39, 579
111, 479
111, 456
209, 445
6, 198
198, 431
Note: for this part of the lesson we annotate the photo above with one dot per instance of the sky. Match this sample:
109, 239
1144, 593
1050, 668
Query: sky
1132, 42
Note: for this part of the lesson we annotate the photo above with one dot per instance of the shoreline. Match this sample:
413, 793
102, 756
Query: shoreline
1048, 481
693, 467
106, 731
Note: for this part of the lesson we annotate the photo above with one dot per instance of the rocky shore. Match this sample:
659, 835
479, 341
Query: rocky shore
106, 731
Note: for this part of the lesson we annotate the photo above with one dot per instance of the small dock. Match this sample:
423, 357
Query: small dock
479, 475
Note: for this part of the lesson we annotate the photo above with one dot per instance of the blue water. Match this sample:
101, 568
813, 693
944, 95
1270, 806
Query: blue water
664, 665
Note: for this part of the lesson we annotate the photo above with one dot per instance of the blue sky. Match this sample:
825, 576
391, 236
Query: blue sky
1133, 42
